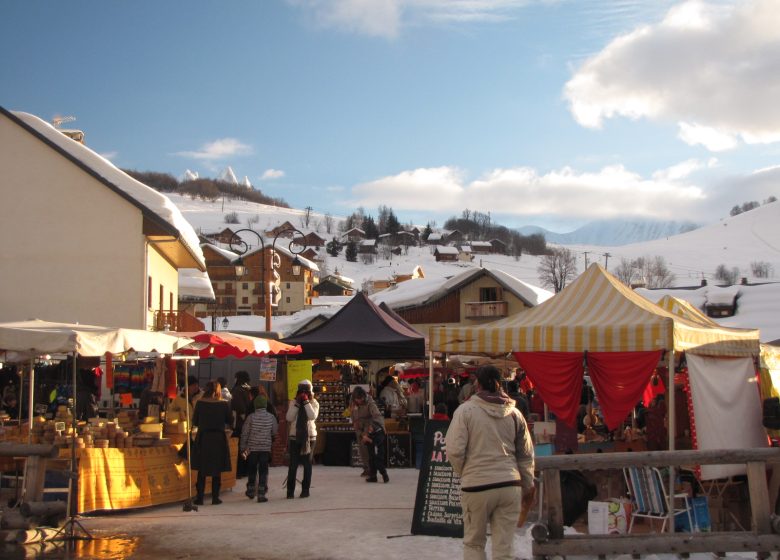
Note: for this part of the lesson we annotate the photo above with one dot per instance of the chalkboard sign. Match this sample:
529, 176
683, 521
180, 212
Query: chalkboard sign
399, 450
437, 509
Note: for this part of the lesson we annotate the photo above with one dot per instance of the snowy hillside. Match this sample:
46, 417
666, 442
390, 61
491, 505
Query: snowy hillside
614, 232
736, 242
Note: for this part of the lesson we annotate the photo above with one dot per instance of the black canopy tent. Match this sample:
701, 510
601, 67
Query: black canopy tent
361, 331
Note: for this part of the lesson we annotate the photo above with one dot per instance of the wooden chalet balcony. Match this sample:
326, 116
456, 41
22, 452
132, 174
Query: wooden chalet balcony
486, 309
178, 321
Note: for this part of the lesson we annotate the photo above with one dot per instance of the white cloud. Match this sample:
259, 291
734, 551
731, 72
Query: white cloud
711, 138
270, 174
714, 65
613, 191
385, 18
218, 149
683, 169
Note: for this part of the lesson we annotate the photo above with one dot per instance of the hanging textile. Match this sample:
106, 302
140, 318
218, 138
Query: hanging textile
656, 386
619, 379
109, 370
557, 376
727, 408
170, 379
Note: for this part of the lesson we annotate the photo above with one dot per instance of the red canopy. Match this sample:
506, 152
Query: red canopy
227, 344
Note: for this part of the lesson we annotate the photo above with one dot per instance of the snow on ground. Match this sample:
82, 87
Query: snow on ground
344, 519
736, 241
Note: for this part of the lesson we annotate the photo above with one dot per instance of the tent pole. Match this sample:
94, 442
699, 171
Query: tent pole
188, 505
30, 400
430, 385
672, 431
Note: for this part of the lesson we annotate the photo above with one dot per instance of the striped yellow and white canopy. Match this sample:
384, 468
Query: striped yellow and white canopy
595, 313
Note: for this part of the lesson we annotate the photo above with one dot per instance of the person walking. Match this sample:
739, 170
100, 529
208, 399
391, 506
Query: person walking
302, 435
371, 434
490, 448
241, 405
257, 436
361, 416
211, 453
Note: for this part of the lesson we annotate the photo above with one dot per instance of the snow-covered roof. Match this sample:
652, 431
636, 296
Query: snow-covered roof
230, 255
722, 296
423, 290
465, 248
481, 244
144, 196
435, 237
195, 284
446, 250
368, 243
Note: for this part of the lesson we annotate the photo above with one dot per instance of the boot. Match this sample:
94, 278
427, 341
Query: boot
261, 496
385, 478
250, 491
216, 483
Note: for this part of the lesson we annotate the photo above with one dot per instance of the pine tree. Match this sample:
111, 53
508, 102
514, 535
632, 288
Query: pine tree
351, 252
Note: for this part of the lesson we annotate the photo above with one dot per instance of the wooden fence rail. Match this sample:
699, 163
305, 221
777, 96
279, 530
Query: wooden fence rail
549, 540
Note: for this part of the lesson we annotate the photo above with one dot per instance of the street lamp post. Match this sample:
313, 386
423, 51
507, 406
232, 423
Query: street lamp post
238, 245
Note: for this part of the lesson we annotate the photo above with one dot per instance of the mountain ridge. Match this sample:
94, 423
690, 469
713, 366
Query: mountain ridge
615, 232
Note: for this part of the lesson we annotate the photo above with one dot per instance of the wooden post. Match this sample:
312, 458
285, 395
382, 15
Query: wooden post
552, 487
759, 497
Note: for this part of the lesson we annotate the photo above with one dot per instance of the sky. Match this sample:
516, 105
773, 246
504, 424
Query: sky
539, 112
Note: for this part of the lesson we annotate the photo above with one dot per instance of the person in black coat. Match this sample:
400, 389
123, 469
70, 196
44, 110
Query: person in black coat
242, 405
211, 452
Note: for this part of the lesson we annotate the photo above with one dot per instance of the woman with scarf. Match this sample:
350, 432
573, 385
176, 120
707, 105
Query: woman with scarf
302, 434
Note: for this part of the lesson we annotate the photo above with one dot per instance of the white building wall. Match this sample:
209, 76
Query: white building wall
71, 249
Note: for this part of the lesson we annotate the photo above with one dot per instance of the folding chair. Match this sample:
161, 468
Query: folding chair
648, 496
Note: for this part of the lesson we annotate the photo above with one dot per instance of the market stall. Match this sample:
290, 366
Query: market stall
27, 339
600, 323
360, 331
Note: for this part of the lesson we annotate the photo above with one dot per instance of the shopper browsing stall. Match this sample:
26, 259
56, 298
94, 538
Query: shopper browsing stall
257, 436
211, 453
371, 434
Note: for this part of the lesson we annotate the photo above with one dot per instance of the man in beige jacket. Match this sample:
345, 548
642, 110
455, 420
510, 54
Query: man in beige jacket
489, 447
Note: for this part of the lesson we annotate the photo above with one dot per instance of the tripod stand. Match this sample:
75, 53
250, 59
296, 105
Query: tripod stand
72, 524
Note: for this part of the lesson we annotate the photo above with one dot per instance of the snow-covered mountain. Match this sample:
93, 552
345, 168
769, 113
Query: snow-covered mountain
613, 232
228, 176
735, 242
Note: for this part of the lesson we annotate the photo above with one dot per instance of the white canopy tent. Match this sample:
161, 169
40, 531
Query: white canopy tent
24, 340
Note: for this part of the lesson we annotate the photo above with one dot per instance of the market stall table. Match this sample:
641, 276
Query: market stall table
113, 478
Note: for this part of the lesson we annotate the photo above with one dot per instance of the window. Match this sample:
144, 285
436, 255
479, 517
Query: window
244, 300
288, 300
488, 294
149, 292
245, 285
288, 285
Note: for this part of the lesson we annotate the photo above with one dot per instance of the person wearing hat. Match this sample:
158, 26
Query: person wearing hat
241, 405
257, 435
302, 434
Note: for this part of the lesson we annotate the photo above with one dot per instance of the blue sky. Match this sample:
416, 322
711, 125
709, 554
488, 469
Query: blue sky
541, 112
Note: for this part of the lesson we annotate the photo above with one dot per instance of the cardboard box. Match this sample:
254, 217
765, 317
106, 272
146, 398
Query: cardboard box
609, 518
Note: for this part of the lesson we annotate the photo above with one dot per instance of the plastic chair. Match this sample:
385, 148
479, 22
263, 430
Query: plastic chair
648, 496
